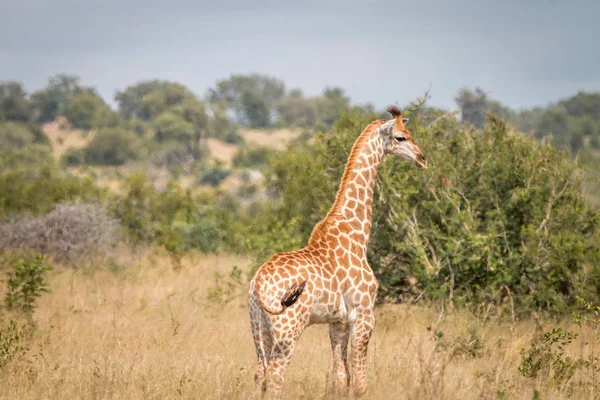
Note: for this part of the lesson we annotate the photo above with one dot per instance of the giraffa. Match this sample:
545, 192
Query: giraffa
329, 281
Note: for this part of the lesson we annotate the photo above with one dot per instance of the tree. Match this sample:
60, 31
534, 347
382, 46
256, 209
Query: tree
147, 100
256, 110
171, 127
223, 128
475, 106
112, 146
13, 102
18, 135
51, 101
582, 105
296, 110
86, 110
229, 93
193, 111
332, 105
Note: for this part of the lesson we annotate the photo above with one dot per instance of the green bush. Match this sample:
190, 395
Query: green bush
222, 128
233, 138
26, 284
112, 146
494, 209
31, 182
13, 102
205, 235
73, 157
174, 218
15, 135
12, 342
547, 356
255, 157
214, 175
176, 155
84, 110
170, 126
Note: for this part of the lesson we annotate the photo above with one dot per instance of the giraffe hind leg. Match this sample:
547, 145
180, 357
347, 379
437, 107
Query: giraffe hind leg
281, 355
262, 342
285, 335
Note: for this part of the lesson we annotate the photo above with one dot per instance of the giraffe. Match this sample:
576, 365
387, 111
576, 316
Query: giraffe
329, 281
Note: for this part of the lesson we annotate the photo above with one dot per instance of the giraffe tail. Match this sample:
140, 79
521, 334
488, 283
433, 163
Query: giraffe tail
289, 298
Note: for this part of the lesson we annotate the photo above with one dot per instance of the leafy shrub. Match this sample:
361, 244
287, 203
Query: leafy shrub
18, 135
13, 102
205, 235
12, 343
31, 182
214, 175
221, 127
254, 157
170, 126
112, 146
85, 110
549, 359
69, 233
173, 217
176, 154
149, 99
27, 284
233, 138
73, 157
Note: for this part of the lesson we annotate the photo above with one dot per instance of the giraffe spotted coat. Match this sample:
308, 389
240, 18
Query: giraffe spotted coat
329, 281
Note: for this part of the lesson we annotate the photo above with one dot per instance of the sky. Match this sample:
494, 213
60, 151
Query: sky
522, 52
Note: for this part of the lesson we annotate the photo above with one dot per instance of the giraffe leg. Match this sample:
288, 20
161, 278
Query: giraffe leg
362, 328
263, 360
261, 368
262, 342
282, 352
339, 334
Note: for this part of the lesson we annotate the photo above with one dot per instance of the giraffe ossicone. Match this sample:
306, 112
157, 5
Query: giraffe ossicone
329, 281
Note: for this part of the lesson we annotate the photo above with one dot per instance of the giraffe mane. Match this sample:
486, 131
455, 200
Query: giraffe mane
394, 110
319, 229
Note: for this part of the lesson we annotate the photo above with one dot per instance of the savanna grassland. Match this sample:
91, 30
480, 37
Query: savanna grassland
147, 328
128, 234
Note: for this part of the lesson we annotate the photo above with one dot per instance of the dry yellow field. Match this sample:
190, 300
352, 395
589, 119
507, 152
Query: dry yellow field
65, 139
147, 328
276, 139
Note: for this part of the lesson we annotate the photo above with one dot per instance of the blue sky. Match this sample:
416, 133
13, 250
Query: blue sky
525, 53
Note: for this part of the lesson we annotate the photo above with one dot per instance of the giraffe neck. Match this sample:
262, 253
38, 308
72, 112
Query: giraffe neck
352, 209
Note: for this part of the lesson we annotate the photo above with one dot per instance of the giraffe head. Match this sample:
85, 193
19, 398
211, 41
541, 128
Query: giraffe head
399, 141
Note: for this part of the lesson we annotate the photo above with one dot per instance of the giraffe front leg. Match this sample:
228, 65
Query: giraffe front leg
339, 334
362, 327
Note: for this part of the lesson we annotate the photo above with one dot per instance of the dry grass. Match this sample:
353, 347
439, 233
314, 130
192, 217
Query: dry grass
64, 139
222, 151
156, 330
275, 139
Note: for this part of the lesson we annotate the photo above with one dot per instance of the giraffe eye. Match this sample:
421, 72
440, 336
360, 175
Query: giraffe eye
400, 138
